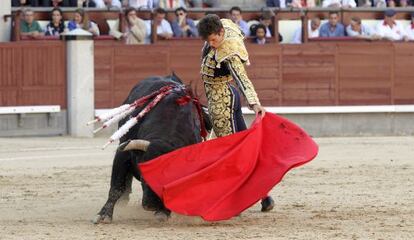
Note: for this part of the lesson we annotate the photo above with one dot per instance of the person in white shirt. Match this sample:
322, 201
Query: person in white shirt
139, 4
164, 29
409, 31
357, 29
389, 28
313, 31
339, 3
171, 4
108, 4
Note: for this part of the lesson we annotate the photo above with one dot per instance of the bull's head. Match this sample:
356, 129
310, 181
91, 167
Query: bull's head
136, 144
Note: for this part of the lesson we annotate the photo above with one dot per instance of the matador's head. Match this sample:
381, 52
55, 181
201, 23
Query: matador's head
211, 30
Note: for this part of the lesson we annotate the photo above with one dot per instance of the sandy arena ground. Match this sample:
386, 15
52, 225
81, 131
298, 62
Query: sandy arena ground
357, 188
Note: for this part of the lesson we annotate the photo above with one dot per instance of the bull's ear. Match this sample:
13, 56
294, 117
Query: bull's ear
122, 146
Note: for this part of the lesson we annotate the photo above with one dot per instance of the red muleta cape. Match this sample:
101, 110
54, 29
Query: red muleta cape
218, 179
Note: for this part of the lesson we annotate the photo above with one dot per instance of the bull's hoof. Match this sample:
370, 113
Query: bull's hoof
149, 208
102, 219
161, 216
267, 204
149, 205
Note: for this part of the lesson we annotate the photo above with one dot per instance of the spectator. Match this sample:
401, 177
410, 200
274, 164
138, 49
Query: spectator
183, 26
30, 27
211, 3
45, 3
266, 20
86, 3
33, 3
48, 3
410, 29
366, 3
302, 3
57, 3
332, 28
21, 3
313, 31
136, 29
164, 30
260, 34
338, 3
61, 3
194, 3
357, 29
236, 17
81, 20
397, 3
278, 3
109, 4
390, 29
381, 3
171, 4
69, 3
56, 26
139, 4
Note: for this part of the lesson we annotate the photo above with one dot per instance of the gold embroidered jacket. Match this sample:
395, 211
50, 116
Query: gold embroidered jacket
226, 63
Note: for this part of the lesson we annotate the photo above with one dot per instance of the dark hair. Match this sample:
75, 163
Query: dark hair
56, 9
260, 26
61, 23
208, 25
235, 8
127, 11
333, 12
160, 10
254, 28
180, 9
356, 19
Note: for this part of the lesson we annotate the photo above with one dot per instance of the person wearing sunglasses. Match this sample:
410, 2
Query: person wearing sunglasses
183, 26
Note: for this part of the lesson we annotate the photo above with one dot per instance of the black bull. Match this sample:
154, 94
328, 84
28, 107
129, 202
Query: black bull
168, 126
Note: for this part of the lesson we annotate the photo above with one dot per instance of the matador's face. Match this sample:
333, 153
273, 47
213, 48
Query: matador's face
215, 39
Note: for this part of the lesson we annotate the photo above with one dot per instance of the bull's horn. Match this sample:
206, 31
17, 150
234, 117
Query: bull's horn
136, 144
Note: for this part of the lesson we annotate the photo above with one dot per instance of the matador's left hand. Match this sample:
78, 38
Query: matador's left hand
259, 110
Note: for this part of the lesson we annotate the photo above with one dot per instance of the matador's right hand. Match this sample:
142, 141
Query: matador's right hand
259, 110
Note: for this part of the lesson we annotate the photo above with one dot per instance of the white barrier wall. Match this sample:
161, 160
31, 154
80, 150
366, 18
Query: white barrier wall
5, 26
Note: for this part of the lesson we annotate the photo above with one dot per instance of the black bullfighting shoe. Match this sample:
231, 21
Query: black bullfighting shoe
267, 204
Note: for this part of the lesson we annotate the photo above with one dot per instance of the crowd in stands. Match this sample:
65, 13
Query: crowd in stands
31, 28
173, 4
338, 3
137, 4
138, 31
388, 28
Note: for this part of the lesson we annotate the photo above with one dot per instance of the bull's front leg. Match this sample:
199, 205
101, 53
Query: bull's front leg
123, 201
151, 202
120, 178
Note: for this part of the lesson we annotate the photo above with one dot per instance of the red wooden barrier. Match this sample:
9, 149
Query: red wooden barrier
317, 73
33, 73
